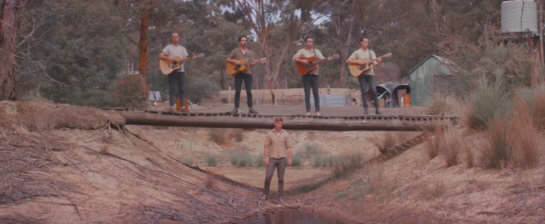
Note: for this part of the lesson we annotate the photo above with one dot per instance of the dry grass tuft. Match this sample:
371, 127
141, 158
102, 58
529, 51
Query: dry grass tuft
524, 138
433, 146
36, 115
386, 140
237, 135
470, 158
512, 141
446, 105
447, 143
224, 138
217, 136
534, 100
451, 147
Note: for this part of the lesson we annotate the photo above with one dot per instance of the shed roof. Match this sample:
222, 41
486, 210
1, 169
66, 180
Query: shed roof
442, 60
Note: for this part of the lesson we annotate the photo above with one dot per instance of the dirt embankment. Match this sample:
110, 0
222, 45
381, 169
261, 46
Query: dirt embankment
65, 164
68, 164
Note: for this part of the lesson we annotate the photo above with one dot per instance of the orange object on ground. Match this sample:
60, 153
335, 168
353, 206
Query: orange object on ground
406, 100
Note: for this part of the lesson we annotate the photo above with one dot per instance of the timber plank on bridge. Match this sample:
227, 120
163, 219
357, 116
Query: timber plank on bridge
291, 122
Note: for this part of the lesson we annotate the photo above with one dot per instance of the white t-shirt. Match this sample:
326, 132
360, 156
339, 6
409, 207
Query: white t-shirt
172, 50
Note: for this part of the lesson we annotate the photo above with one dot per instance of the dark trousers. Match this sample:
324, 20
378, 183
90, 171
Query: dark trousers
368, 82
311, 81
247, 78
280, 164
176, 79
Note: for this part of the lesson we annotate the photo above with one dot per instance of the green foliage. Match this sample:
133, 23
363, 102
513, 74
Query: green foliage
489, 101
507, 64
259, 160
357, 190
211, 160
241, 159
75, 52
78, 48
129, 92
217, 136
199, 88
327, 160
188, 162
297, 160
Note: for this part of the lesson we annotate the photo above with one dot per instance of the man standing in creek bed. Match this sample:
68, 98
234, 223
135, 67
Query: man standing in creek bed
278, 144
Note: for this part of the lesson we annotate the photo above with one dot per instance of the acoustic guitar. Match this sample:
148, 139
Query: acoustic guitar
167, 66
233, 69
357, 69
312, 65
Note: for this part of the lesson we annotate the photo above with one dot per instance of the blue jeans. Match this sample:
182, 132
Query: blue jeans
311, 81
247, 78
176, 79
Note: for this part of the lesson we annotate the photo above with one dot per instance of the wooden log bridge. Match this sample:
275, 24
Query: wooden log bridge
291, 122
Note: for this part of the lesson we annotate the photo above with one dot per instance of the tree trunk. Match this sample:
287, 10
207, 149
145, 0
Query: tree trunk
143, 45
9, 27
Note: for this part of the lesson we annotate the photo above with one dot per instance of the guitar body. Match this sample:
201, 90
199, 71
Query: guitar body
305, 69
357, 70
233, 69
167, 67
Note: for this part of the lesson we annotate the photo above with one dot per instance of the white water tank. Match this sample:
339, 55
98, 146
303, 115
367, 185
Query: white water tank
519, 16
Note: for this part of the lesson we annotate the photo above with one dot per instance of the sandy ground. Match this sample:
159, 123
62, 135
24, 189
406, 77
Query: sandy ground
64, 164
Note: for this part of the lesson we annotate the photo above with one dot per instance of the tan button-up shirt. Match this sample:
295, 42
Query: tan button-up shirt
278, 143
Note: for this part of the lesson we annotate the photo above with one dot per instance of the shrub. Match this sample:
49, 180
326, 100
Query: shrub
489, 101
237, 135
451, 146
188, 162
241, 159
217, 136
198, 88
211, 160
438, 106
383, 141
130, 92
297, 159
433, 146
523, 137
498, 149
92, 97
259, 160
447, 143
534, 100
512, 142
311, 149
445, 105
348, 164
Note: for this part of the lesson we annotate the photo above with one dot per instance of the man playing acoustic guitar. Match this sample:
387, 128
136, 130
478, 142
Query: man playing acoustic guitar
367, 79
176, 54
310, 79
241, 57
